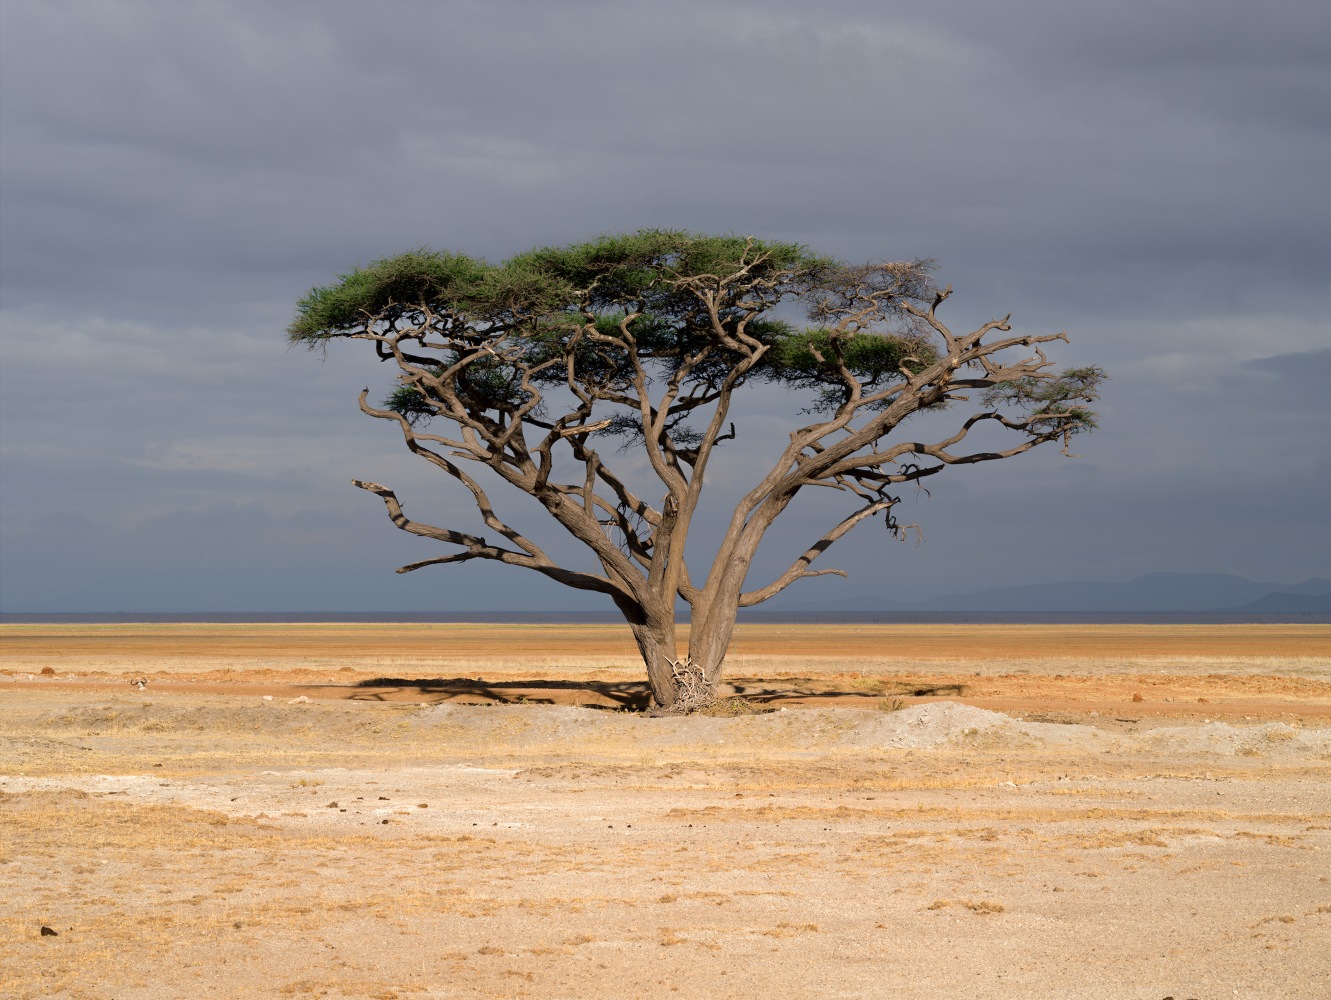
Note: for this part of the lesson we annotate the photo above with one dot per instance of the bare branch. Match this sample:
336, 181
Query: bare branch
798, 569
479, 548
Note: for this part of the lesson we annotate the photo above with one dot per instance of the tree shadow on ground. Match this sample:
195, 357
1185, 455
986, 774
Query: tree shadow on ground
629, 695
632, 695
808, 689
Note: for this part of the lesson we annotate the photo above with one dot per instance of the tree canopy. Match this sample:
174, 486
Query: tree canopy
646, 337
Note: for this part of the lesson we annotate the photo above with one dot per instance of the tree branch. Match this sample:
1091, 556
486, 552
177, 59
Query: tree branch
798, 569
479, 548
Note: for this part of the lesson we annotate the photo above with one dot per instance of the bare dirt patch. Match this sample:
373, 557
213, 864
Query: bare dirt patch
195, 838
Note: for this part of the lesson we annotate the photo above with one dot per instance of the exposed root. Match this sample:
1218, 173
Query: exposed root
692, 688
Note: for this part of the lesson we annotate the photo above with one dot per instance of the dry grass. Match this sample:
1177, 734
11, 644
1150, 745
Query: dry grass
729, 708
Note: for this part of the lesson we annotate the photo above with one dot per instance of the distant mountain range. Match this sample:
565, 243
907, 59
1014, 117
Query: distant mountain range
1154, 592
1291, 604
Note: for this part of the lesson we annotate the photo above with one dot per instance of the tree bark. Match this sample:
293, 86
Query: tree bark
654, 632
709, 638
714, 622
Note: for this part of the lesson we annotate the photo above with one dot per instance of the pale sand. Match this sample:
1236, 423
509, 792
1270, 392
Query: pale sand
192, 842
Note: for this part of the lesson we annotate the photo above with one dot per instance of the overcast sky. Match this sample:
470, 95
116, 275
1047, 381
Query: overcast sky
1152, 176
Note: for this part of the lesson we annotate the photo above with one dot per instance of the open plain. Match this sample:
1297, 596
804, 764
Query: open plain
481, 811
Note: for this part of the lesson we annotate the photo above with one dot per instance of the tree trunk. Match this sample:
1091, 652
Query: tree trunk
710, 638
710, 635
715, 613
654, 632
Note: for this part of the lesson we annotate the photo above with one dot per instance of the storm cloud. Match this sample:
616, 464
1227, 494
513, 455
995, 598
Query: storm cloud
1150, 177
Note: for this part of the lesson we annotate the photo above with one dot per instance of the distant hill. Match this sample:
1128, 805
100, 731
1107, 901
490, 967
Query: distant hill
1152, 592
1290, 604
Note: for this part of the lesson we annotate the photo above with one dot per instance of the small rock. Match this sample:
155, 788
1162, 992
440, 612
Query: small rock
49, 931
1138, 697
48, 671
268, 697
301, 700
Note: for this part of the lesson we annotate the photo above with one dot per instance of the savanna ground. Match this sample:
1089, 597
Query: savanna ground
476, 811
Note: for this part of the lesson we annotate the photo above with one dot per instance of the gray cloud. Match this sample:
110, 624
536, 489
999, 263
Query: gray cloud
1150, 177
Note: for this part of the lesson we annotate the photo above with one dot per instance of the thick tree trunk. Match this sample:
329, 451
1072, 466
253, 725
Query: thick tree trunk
657, 647
709, 639
654, 632
715, 613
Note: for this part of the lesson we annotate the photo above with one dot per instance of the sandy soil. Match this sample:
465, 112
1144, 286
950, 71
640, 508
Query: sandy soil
415, 647
993, 815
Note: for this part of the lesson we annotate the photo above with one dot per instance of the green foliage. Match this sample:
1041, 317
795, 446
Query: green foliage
537, 307
485, 383
617, 304
390, 287
1057, 399
640, 270
811, 360
411, 403
643, 266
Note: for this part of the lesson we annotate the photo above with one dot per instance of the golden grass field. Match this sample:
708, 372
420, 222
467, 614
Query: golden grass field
464, 811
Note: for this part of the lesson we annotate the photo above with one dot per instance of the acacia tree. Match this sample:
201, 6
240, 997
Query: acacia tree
523, 367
